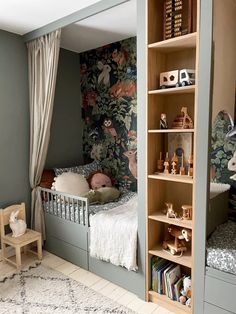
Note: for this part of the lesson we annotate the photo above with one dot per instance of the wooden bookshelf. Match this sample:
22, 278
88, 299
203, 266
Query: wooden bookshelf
173, 91
164, 301
176, 44
167, 55
173, 178
172, 131
177, 222
185, 260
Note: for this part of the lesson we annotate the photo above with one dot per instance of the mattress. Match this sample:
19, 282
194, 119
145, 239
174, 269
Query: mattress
221, 248
76, 215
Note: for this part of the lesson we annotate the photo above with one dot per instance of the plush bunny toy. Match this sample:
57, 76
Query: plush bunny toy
232, 166
18, 227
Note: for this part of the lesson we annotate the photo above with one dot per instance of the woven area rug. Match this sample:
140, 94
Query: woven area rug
44, 290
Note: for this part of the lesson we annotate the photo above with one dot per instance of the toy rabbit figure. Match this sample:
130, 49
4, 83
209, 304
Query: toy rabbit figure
18, 227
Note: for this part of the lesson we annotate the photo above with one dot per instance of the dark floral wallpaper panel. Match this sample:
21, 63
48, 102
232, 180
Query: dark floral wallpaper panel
109, 109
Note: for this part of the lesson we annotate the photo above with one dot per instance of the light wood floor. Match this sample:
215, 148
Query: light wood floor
91, 280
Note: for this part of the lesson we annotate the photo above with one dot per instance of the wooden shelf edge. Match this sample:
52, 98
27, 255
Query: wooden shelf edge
177, 43
171, 131
185, 260
164, 300
173, 178
171, 221
174, 90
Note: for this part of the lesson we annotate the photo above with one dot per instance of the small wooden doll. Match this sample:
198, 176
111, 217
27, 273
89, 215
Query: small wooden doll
182, 169
167, 164
163, 122
174, 162
190, 166
160, 164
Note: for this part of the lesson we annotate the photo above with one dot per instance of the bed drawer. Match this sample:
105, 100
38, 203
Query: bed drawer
211, 309
220, 290
67, 231
67, 251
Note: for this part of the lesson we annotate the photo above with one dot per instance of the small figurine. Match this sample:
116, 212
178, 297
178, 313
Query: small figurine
187, 212
182, 169
186, 292
183, 120
170, 211
160, 164
174, 162
167, 164
180, 237
190, 166
187, 121
163, 122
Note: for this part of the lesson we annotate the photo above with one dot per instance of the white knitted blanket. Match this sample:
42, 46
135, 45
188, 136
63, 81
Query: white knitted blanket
113, 235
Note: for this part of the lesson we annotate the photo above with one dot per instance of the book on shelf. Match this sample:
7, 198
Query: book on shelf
166, 278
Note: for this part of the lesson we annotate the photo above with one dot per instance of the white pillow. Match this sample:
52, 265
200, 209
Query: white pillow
71, 183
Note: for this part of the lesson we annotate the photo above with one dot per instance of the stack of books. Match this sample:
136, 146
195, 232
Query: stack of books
166, 278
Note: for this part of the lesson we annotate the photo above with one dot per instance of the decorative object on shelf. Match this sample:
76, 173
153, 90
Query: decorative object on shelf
178, 18
186, 292
167, 164
182, 169
18, 226
183, 121
177, 78
170, 211
160, 164
190, 166
187, 212
181, 144
181, 236
163, 122
174, 163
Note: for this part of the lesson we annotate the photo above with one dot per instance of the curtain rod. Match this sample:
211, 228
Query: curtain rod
77, 16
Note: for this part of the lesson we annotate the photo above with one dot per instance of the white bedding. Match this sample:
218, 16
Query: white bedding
113, 235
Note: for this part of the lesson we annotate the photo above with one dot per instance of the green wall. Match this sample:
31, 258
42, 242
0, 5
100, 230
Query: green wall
65, 147
14, 120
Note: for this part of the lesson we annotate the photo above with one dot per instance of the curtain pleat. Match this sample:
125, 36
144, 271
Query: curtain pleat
43, 55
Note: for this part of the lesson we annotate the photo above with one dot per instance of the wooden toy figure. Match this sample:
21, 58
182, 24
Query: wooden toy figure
190, 166
182, 169
160, 164
167, 164
170, 211
163, 122
174, 162
187, 212
179, 237
187, 121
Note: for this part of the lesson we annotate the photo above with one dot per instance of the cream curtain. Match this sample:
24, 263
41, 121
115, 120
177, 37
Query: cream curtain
43, 54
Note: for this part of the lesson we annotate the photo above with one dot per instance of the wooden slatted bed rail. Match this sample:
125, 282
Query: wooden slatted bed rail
66, 206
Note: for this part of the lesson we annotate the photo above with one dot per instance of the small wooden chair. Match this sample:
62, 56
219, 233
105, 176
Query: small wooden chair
29, 237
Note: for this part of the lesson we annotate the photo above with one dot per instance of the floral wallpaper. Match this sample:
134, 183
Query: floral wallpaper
222, 149
109, 109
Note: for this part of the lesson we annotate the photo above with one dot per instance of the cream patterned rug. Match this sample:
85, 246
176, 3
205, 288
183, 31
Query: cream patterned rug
41, 290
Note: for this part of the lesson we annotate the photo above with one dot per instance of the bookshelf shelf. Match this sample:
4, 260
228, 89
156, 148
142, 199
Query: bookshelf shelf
177, 222
172, 91
163, 300
171, 131
175, 44
185, 260
171, 177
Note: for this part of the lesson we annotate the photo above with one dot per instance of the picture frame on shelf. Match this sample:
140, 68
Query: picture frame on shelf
180, 144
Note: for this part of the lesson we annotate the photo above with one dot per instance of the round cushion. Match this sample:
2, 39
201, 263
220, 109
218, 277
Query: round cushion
71, 183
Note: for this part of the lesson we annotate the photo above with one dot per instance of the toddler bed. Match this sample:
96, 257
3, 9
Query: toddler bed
68, 225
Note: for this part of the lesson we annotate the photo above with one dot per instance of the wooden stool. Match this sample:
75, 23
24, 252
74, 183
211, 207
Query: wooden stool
30, 236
